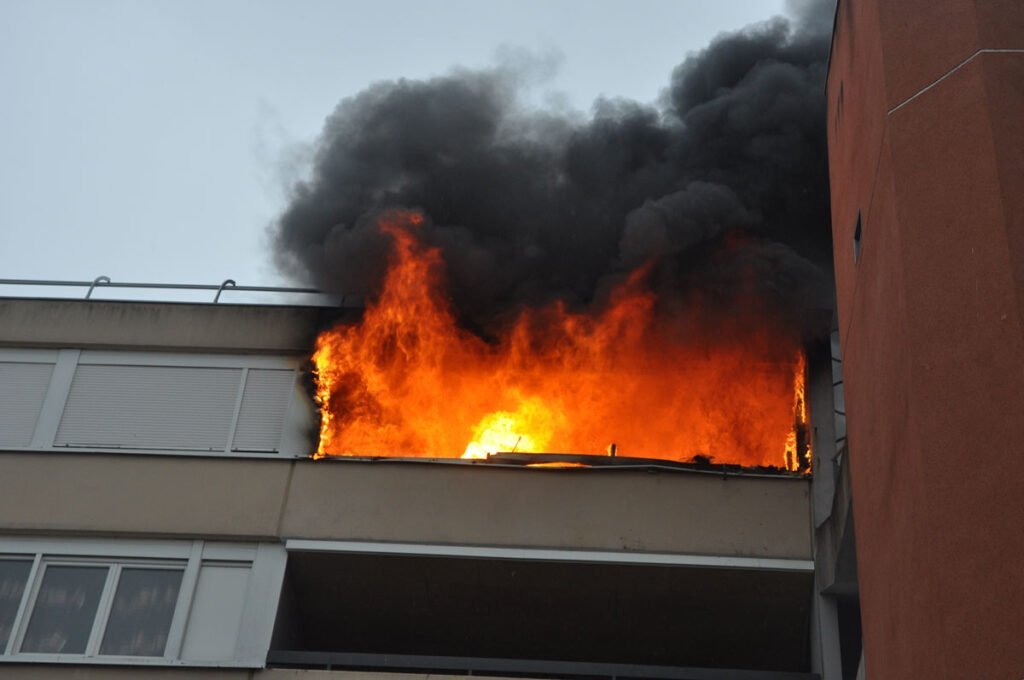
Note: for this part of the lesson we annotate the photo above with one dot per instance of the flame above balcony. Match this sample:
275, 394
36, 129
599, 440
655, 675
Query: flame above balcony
408, 381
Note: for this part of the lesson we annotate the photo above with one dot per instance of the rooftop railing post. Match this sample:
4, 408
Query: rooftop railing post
227, 282
95, 282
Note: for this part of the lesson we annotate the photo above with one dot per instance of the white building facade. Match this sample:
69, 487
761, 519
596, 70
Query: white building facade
161, 517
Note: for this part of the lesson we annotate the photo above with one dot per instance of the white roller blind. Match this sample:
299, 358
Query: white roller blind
263, 406
22, 389
150, 407
216, 616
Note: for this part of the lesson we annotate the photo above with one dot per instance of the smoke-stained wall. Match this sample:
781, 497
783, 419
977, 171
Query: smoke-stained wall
721, 184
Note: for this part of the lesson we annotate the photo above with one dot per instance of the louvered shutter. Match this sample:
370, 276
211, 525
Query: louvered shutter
263, 406
22, 389
150, 407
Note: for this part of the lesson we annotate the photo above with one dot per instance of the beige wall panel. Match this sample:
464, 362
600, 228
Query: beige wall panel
142, 494
584, 509
410, 502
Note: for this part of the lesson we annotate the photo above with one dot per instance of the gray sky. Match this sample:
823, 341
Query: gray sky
151, 141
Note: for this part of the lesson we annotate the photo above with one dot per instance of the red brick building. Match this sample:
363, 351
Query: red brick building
926, 143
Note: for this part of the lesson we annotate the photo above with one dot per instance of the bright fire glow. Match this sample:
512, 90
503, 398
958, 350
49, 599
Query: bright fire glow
529, 429
797, 441
408, 381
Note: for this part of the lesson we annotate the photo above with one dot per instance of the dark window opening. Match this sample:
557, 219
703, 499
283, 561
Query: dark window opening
856, 239
363, 607
848, 612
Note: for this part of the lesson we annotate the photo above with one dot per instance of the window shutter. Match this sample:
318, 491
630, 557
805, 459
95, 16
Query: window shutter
263, 406
22, 389
150, 407
215, 619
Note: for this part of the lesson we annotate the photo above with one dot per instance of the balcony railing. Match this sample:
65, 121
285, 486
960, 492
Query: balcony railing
569, 670
99, 288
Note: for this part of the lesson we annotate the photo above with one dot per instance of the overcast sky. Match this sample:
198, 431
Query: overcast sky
152, 141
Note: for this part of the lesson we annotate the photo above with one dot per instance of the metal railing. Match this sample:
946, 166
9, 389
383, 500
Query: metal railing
104, 282
570, 670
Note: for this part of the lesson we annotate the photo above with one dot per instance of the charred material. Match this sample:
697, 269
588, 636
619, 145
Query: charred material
699, 463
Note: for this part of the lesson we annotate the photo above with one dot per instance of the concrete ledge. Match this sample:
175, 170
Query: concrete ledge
98, 672
675, 512
140, 495
160, 325
421, 503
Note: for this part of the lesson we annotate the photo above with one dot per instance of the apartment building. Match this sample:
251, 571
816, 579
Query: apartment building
161, 517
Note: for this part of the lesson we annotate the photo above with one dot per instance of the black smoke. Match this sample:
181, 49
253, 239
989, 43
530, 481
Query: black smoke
530, 205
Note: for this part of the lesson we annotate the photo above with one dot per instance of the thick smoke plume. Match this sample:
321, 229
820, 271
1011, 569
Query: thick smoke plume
722, 185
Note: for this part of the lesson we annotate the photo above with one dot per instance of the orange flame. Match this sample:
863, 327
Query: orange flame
408, 381
798, 445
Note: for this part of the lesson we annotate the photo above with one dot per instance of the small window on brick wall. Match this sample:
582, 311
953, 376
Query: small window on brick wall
856, 239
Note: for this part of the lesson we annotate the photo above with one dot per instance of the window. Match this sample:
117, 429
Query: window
90, 607
64, 610
188, 408
149, 402
140, 617
73, 606
856, 239
13, 577
137, 602
23, 382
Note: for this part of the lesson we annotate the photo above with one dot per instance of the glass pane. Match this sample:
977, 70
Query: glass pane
141, 615
13, 574
65, 609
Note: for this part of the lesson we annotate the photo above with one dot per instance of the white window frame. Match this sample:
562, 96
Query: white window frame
102, 616
265, 563
296, 426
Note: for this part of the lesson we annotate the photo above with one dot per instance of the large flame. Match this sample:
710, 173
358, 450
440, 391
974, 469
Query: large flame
408, 381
